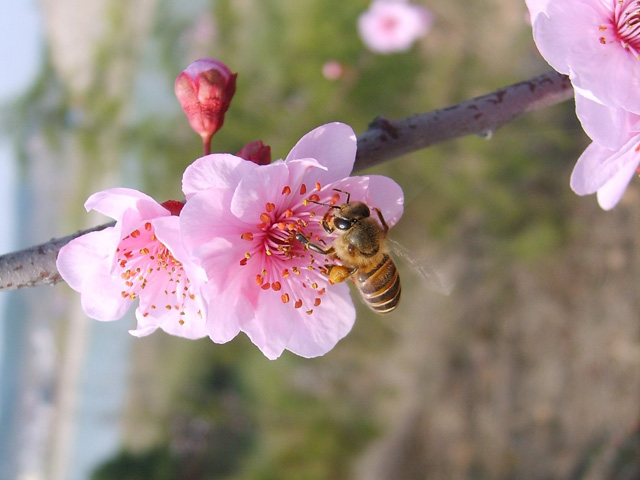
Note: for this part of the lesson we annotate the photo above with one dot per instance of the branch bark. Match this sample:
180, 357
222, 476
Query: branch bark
384, 140
387, 139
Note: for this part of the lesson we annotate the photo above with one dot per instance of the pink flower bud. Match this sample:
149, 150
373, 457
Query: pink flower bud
205, 89
256, 152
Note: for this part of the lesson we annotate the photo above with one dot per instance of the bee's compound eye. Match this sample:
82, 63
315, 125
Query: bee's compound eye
342, 224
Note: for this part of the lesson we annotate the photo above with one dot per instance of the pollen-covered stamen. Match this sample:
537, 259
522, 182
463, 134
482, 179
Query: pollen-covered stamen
626, 20
145, 263
279, 263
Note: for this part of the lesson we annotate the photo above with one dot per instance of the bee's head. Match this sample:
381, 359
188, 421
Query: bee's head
348, 214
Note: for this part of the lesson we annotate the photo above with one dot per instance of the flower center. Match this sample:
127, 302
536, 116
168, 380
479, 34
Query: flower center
146, 263
281, 262
389, 24
626, 24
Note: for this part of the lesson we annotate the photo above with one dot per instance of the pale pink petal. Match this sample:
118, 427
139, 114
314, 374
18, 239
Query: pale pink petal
562, 26
598, 165
388, 196
114, 202
316, 334
611, 192
192, 322
271, 327
84, 263
606, 126
579, 38
333, 145
603, 69
536, 7
167, 230
218, 170
225, 311
257, 189
212, 234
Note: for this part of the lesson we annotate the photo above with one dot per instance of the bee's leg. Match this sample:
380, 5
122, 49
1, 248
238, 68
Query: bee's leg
327, 228
384, 224
339, 273
314, 247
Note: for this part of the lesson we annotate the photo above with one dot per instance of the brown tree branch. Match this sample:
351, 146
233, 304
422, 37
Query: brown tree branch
387, 139
384, 140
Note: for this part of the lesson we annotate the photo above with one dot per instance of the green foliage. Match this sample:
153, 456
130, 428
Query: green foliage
157, 463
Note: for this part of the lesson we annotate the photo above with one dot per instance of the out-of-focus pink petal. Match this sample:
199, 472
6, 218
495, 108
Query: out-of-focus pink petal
333, 145
316, 334
218, 170
390, 26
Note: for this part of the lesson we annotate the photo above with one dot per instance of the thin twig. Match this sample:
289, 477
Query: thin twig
384, 140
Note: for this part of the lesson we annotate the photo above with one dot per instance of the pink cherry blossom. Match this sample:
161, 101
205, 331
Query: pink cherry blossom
609, 163
240, 222
140, 257
391, 26
596, 43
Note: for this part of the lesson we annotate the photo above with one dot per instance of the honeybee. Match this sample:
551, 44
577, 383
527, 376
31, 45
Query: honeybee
361, 248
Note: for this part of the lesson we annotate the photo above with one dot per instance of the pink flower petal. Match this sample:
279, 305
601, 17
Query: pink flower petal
257, 189
316, 334
610, 127
84, 264
598, 165
611, 192
271, 327
580, 38
388, 196
114, 202
219, 170
333, 145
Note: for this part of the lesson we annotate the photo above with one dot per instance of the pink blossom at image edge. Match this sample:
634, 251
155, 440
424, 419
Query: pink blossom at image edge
393, 26
597, 43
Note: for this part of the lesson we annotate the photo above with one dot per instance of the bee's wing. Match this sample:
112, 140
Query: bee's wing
431, 277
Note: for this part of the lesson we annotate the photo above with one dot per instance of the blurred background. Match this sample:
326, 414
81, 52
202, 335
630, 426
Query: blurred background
528, 369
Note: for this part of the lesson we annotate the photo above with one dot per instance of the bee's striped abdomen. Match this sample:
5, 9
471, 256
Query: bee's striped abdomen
380, 286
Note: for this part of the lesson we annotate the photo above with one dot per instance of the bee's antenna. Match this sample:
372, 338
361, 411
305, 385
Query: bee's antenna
323, 204
346, 193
